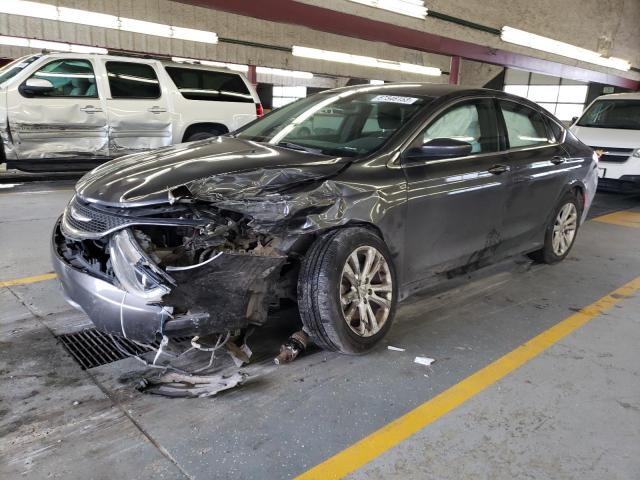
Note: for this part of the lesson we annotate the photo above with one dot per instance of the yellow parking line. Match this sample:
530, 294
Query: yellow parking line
27, 280
370, 447
625, 218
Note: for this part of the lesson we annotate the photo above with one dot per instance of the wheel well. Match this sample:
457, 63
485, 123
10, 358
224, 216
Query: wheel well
578, 191
204, 127
303, 244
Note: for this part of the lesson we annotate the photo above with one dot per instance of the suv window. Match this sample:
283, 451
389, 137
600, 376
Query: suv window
196, 84
473, 122
69, 77
525, 126
132, 80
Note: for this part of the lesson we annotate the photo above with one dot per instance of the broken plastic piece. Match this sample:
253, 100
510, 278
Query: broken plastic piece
178, 386
395, 349
424, 361
240, 355
295, 344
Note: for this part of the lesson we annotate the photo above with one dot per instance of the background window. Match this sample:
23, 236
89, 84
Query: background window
284, 95
209, 85
562, 97
525, 127
132, 80
471, 122
70, 78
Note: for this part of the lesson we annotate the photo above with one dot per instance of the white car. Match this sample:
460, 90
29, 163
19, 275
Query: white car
73, 111
611, 126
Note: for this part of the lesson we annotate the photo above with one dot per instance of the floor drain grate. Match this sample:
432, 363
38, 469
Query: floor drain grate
92, 348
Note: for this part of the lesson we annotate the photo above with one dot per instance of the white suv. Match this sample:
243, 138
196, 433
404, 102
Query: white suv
611, 126
73, 111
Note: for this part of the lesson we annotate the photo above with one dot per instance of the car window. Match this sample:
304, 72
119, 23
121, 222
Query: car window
334, 123
196, 84
472, 122
132, 80
525, 126
557, 132
12, 69
618, 114
69, 77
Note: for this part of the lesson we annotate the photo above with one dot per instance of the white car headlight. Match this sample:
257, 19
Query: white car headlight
636, 153
137, 274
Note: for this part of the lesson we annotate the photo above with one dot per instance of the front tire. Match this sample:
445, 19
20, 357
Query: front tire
347, 290
561, 232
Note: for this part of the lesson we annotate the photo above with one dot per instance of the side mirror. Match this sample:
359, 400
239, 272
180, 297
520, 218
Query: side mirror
439, 148
35, 86
574, 120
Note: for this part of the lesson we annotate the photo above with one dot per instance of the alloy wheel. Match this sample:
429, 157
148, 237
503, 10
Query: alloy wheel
564, 229
366, 291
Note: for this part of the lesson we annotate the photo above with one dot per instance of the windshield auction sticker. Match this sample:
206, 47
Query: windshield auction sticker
394, 99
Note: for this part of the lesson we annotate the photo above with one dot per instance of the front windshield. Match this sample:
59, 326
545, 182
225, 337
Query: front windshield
12, 69
622, 114
349, 123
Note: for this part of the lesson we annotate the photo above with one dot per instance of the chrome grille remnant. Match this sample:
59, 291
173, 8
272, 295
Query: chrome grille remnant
84, 221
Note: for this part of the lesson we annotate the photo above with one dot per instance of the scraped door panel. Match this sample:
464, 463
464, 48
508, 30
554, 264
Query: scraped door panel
139, 118
66, 123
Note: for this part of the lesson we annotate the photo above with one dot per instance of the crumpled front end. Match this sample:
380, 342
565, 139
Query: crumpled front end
148, 277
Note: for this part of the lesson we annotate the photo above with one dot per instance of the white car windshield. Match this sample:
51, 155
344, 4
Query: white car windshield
10, 70
350, 123
618, 114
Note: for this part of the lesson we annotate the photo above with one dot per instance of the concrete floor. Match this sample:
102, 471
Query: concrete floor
572, 412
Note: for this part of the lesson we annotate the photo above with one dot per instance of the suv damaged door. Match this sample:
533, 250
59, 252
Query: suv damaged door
60, 100
456, 205
137, 106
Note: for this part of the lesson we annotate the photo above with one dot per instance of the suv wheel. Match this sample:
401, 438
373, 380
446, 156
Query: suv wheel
561, 231
347, 290
202, 135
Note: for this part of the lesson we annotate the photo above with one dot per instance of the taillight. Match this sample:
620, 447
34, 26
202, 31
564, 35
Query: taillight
259, 110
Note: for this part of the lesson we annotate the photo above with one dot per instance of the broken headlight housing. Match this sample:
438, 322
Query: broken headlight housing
135, 271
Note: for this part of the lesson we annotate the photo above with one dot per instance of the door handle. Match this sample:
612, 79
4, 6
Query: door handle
557, 160
91, 109
499, 169
157, 109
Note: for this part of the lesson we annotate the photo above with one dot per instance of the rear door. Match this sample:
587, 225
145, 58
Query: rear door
137, 107
67, 123
456, 205
539, 170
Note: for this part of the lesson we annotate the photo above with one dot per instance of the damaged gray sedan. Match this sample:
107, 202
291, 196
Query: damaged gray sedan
344, 202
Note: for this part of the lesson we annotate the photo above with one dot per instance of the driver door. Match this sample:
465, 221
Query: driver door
456, 205
62, 123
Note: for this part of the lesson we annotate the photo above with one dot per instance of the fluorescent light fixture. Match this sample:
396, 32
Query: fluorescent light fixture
103, 20
283, 73
363, 61
210, 63
412, 8
43, 44
538, 42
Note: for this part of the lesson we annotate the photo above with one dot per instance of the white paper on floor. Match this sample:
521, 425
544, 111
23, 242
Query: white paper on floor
424, 361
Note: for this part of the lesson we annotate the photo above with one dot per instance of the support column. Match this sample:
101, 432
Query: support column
454, 71
252, 76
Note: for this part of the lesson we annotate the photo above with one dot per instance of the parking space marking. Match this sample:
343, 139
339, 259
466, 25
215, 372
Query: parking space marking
625, 218
27, 280
392, 434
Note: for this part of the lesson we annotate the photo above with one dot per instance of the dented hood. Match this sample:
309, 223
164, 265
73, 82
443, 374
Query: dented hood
147, 178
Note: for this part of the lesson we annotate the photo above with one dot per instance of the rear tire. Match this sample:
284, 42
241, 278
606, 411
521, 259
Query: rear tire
332, 308
561, 232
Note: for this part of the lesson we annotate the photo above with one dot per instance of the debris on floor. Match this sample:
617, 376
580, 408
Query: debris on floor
294, 345
395, 349
240, 355
426, 361
178, 385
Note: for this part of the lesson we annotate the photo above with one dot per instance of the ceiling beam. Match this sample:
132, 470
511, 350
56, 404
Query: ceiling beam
339, 23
